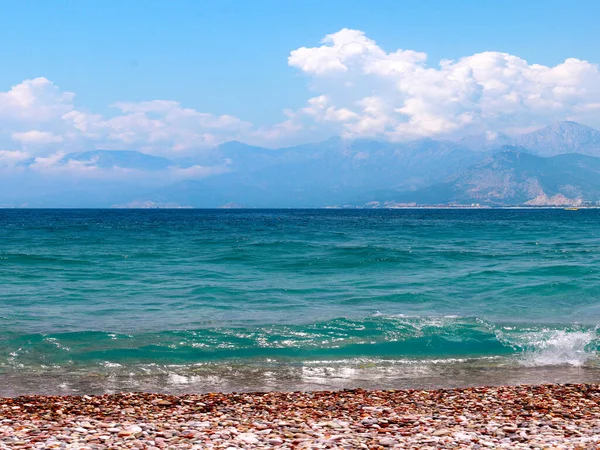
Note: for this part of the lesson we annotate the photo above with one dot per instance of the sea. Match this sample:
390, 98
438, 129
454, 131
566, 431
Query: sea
102, 301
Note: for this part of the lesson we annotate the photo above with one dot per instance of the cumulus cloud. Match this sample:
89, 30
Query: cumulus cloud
348, 49
157, 127
36, 114
399, 96
58, 165
13, 158
36, 137
34, 101
358, 89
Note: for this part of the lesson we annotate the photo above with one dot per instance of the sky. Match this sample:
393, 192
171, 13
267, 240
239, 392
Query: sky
180, 77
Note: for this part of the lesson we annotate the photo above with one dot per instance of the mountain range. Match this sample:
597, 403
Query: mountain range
556, 165
511, 176
556, 139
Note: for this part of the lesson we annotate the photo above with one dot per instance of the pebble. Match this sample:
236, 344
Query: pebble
387, 442
249, 438
441, 432
538, 417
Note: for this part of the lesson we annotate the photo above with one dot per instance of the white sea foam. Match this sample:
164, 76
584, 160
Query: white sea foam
537, 346
552, 347
109, 364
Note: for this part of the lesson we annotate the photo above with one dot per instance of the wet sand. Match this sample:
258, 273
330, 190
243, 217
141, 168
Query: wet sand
285, 377
565, 416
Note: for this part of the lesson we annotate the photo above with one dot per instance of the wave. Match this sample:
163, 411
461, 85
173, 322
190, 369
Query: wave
543, 346
377, 338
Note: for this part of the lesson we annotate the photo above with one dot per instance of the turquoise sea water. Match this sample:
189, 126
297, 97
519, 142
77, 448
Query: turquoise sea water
195, 300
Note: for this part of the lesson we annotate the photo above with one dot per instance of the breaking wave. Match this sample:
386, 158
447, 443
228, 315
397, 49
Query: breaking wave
375, 337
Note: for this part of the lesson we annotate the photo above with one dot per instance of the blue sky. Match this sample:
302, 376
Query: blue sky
231, 58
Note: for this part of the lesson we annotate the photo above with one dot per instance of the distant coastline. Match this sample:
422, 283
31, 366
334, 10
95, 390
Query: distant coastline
308, 208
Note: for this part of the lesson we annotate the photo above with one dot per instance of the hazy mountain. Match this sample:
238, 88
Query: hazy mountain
319, 174
486, 141
328, 173
65, 184
561, 138
195, 193
69, 192
125, 159
555, 139
511, 177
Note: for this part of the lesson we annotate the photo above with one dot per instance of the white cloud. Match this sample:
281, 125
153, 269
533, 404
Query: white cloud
320, 108
156, 127
37, 100
36, 113
41, 163
36, 137
358, 89
398, 96
197, 171
56, 165
13, 158
347, 50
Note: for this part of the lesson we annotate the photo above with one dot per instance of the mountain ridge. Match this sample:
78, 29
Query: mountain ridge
511, 176
555, 139
335, 172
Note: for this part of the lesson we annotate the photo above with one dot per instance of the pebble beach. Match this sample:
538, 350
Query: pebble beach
560, 416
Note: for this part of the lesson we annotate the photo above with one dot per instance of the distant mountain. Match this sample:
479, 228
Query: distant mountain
486, 141
230, 152
556, 139
320, 174
510, 177
561, 138
125, 159
336, 172
195, 193
51, 187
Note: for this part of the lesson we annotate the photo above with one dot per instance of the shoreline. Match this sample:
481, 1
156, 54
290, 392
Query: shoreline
525, 416
227, 378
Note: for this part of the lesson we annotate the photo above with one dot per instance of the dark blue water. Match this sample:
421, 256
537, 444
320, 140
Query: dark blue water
195, 298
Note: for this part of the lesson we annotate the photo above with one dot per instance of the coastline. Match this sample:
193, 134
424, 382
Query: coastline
305, 377
526, 416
